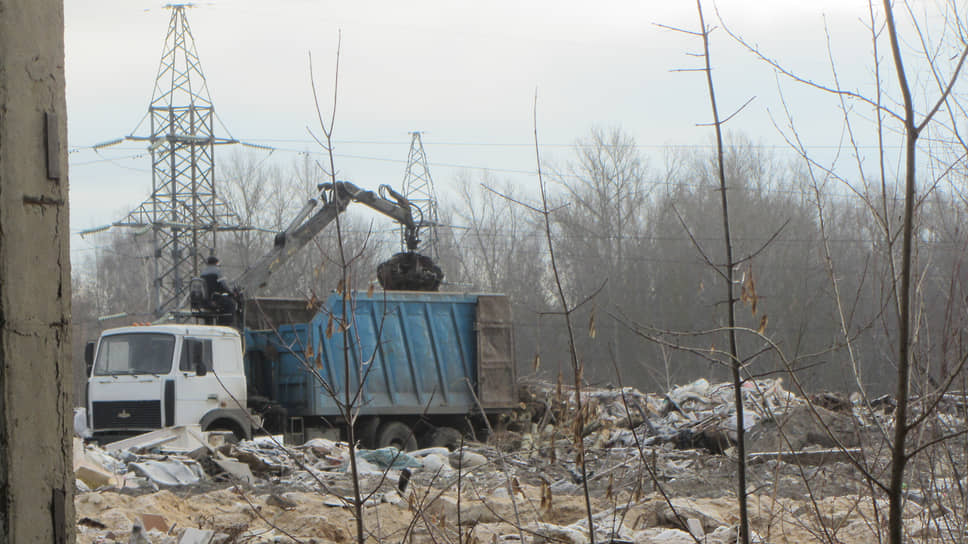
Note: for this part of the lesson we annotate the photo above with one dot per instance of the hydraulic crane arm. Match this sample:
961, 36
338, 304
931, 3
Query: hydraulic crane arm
301, 230
399, 211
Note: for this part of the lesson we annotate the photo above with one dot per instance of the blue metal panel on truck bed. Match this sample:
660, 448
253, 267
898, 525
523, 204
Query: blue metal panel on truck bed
416, 351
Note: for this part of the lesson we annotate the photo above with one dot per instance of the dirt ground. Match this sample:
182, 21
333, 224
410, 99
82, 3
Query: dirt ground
788, 503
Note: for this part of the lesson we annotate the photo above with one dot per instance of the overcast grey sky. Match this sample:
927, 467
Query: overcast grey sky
464, 73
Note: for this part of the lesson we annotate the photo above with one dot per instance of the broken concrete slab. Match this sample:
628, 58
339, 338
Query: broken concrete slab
91, 470
466, 459
262, 459
236, 469
436, 463
196, 536
183, 439
658, 535
170, 473
658, 513
695, 527
798, 427
95, 478
548, 532
471, 512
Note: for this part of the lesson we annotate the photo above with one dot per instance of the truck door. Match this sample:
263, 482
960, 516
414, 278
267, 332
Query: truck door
496, 374
197, 390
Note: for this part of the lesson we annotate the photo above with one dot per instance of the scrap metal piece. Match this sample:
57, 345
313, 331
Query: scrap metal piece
409, 271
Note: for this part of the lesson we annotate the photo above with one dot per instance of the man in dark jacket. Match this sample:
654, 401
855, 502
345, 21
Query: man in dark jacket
219, 292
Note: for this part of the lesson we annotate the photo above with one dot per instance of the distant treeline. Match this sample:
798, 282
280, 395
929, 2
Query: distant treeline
640, 248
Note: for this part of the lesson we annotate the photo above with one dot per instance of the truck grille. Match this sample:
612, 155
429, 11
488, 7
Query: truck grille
130, 414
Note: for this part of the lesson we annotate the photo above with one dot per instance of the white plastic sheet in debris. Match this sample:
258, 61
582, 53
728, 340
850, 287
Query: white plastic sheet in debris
80, 423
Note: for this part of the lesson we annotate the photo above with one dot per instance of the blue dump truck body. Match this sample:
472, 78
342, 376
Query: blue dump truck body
430, 357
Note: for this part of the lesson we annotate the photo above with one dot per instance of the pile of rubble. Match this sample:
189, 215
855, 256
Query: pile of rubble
658, 468
696, 415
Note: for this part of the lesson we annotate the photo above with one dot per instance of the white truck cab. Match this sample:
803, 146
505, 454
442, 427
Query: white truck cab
143, 378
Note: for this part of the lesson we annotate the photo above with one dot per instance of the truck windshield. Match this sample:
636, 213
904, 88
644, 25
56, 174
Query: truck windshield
134, 353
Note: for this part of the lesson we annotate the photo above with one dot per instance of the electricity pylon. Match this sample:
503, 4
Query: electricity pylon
184, 211
418, 188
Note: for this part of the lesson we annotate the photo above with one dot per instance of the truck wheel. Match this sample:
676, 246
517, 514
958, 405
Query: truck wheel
228, 425
445, 437
397, 435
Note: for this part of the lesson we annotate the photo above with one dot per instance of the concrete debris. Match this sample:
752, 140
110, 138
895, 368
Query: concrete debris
93, 469
170, 472
547, 532
138, 536
698, 415
178, 440
465, 459
656, 535
802, 426
236, 469
436, 462
657, 467
92, 478
280, 502
196, 536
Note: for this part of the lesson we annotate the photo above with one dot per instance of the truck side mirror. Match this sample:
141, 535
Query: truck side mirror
89, 356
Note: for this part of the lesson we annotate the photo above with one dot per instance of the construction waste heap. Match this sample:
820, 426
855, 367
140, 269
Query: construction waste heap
660, 468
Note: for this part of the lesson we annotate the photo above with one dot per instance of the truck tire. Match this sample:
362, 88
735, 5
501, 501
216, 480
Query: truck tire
445, 437
396, 435
228, 425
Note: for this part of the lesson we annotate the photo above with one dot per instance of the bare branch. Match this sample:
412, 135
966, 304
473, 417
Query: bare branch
776, 65
676, 29
946, 93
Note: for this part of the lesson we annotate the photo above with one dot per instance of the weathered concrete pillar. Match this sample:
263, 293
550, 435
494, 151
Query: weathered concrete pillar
36, 480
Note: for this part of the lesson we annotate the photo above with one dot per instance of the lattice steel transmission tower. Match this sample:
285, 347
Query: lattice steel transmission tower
184, 212
418, 188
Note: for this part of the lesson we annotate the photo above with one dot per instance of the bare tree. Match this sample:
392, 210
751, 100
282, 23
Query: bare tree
567, 309
727, 272
253, 189
899, 238
600, 215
